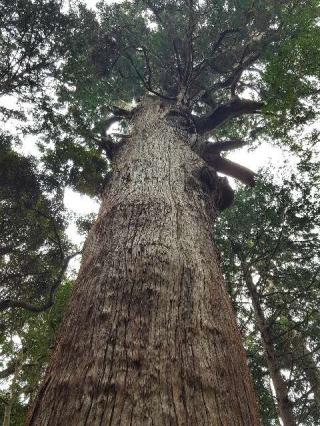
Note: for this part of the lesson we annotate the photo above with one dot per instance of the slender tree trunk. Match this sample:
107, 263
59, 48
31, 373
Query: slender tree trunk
7, 413
13, 392
303, 358
281, 390
309, 366
150, 337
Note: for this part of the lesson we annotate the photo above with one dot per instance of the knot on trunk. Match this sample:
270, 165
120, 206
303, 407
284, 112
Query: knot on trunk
218, 188
209, 179
224, 195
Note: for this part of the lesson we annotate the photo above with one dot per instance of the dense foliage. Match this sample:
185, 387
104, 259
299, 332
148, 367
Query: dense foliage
34, 249
33, 246
25, 345
32, 40
276, 241
237, 69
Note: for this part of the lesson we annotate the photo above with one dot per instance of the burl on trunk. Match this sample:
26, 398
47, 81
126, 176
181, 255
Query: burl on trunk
150, 337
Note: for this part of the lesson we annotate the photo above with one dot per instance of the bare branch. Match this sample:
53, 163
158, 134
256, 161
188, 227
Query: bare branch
189, 44
235, 77
224, 112
178, 59
199, 68
120, 112
222, 36
147, 62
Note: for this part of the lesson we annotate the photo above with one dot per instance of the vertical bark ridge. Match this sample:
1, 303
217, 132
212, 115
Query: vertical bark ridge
150, 337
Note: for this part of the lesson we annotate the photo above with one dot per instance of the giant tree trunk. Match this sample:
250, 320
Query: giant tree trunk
149, 337
284, 404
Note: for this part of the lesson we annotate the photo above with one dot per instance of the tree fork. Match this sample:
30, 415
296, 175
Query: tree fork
150, 337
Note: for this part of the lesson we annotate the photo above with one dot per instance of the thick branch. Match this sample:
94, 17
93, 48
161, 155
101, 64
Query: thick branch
215, 148
222, 113
120, 112
210, 153
235, 76
234, 170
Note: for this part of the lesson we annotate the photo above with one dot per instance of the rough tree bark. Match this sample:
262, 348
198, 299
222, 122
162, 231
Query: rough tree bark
150, 337
284, 404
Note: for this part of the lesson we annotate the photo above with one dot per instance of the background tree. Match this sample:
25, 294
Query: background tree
34, 255
32, 41
270, 256
25, 346
34, 250
33, 247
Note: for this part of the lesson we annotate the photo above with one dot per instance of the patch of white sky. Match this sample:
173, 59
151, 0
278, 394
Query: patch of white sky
92, 3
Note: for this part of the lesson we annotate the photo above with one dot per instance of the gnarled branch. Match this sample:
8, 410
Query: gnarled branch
224, 112
210, 153
234, 170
